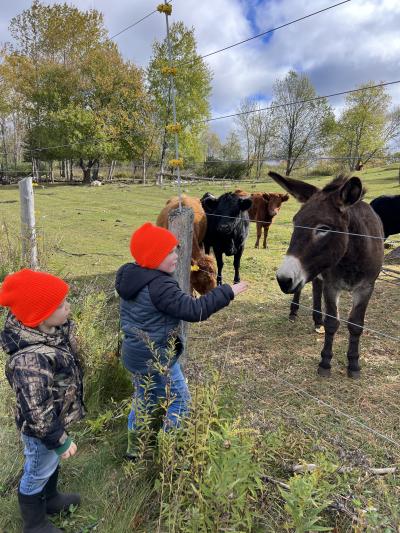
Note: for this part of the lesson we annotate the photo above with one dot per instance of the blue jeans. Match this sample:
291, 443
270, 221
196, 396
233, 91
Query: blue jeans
150, 391
40, 463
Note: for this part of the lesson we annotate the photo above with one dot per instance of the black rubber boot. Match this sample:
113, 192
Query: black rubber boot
56, 502
133, 451
33, 512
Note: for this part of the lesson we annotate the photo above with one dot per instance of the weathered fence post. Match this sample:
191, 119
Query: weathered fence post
28, 231
180, 222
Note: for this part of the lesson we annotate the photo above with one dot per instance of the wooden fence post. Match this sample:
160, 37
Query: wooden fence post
180, 222
28, 231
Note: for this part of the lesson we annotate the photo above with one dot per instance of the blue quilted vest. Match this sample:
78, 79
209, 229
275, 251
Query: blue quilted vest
149, 334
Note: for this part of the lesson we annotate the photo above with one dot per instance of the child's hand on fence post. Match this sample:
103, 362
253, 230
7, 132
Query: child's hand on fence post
240, 287
70, 452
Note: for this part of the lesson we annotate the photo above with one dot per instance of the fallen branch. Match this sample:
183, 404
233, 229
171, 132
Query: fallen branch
310, 467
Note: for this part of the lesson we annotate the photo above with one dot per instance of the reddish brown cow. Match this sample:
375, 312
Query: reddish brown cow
265, 207
203, 276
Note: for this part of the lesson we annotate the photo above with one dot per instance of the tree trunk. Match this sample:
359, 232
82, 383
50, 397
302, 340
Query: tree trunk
51, 173
111, 170
35, 168
95, 170
3, 137
71, 170
86, 169
144, 170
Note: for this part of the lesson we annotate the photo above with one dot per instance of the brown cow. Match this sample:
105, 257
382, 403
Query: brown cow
203, 276
266, 206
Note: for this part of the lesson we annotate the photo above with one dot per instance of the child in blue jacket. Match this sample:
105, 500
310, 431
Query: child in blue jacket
152, 306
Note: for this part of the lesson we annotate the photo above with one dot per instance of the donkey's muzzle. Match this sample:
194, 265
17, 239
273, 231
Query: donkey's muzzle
290, 275
288, 285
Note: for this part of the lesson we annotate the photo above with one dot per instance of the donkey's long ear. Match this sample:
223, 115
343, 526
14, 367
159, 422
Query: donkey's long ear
299, 189
351, 192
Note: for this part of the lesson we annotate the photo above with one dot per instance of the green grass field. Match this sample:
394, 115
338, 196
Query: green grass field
269, 381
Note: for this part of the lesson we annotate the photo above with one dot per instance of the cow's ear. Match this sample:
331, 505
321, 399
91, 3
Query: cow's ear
301, 190
266, 196
210, 202
284, 197
245, 203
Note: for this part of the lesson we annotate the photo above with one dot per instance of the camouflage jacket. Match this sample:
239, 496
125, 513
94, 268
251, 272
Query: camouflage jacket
46, 376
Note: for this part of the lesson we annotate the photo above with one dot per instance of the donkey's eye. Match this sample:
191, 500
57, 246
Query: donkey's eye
322, 230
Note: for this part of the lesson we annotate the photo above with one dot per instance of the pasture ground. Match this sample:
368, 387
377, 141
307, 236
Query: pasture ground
268, 372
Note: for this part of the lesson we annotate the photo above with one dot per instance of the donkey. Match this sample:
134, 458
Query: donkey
327, 242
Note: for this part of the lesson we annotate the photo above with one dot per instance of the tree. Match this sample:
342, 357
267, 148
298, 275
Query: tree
231, 149
366, 126
81, 100
212, 145
257, 128
193, 88
300, 123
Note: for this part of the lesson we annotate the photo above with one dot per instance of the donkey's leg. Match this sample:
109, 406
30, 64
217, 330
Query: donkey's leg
361, 297
236, 264
317, 304
331, 324
220, 264
294, 306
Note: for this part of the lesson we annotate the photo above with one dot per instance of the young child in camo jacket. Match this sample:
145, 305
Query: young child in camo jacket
43, 369
152, 306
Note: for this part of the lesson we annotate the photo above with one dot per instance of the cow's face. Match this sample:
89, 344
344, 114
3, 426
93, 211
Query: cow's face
274, 202
203, 275
226, 209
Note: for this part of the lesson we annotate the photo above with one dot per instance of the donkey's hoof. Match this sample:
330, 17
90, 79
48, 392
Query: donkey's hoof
324, 372
292, 318
319, 329
354, 374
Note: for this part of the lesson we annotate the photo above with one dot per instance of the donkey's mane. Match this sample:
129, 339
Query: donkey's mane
338, 182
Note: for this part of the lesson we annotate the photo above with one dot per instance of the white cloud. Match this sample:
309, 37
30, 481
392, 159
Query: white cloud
339, 49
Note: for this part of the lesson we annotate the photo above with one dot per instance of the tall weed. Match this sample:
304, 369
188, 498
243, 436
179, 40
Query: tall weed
98, 333
209, 471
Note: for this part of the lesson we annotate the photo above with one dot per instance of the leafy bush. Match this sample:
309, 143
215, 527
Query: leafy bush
325, 168
221, 170
209, 471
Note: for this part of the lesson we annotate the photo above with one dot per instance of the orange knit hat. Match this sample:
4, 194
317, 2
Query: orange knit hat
150, 245
32, 296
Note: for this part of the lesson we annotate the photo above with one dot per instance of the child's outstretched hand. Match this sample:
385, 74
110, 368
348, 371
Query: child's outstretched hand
240, 287
70, 452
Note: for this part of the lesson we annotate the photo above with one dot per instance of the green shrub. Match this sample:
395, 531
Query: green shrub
222, 170
209, 471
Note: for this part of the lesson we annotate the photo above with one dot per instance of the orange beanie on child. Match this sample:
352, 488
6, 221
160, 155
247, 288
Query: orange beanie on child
150, 245
32, 296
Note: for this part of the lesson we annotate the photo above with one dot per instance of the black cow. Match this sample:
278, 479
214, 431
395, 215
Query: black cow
388, 210
227, 228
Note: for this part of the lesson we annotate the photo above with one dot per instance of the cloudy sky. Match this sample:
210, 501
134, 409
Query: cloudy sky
339, 49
